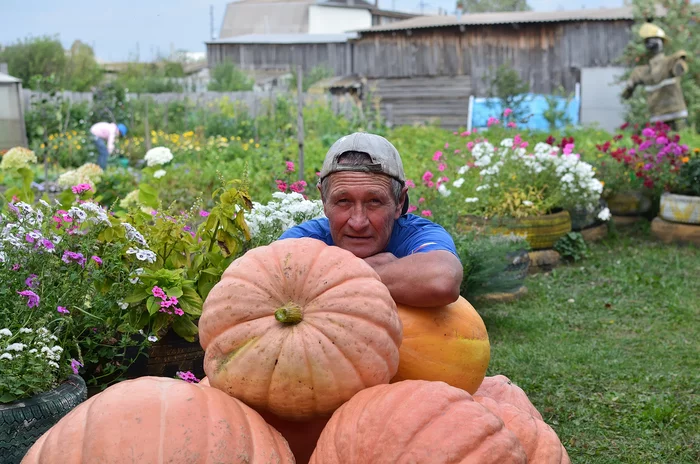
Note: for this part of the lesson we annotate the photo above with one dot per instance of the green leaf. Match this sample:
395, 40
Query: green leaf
138, 318
148, 195
137, 296
152, 305
185, 328
174, 292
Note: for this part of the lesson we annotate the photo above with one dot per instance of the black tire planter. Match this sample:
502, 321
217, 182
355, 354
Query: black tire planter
22, 422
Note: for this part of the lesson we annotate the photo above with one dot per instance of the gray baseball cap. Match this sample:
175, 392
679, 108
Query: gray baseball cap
385, 157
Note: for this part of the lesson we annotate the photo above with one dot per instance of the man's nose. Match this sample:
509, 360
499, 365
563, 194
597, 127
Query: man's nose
358, 218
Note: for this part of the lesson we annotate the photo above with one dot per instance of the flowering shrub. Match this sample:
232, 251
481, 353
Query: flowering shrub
652, 159
508, 180
286, 184
17, 175
158, 156
17, 158
267, 222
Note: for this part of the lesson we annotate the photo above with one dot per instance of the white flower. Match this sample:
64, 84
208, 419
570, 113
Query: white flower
135, 279
471, 200
6, 356
604, 214
527, 203
25, 330
33, 351
159, 173
158, 156
461, 171
53, 364
77, 213
132, 251
443, 190
146, 255
134, 235
122, 305
16, 347
458, 183
44, 203
482, 187
5, 332
152, 338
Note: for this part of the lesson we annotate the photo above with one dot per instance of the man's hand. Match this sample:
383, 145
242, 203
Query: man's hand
380, 259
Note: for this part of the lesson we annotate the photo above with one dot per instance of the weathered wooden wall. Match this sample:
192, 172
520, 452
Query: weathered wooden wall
545, 54
336, 56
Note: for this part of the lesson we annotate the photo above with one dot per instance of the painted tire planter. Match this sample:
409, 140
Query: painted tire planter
673, 232
628, 204
541, 232
22, 422
684, 209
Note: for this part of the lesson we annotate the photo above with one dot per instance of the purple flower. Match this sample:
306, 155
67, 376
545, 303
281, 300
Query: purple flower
48, 244
30, 281
62, 310
644, 145
158, 292
77, 257
97, 259
647, 166
29, 238
80, 188
13, 208
178, 311
74, 365
16, 267
204, 213
32, 298
661, 140
187, 376
648, 132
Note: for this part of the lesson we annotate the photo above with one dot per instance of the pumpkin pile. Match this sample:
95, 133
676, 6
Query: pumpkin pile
309, 360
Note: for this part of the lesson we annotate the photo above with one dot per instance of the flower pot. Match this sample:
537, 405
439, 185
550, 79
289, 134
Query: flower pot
541, 232
582, 218
680, 208
22, 422
633, 203
674, 232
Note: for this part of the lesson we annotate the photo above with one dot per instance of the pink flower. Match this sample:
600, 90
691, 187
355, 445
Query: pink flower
421, 200
204, 213
442, 167
470, 145
437, 156
465, 134
281, 185
517, 140
426, 212
410, 183
411, 208
32, 298
74, 365
427, 176
447, 145
661, 140
648, 132
62, 310
80, 188
97, 260
524, 144
158, 292
458, 151
31, 281
179, 311
318, 173
492, 121
69, 256
48, 244
512, 125
507, 112
16, 267
430, 184
298, 186
568, 148
187, 376
290, 166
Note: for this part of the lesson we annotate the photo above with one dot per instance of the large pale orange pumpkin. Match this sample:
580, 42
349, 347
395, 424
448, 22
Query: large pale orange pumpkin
539, 440
501, 389
298, 327
160, 420
416, 421
446, 343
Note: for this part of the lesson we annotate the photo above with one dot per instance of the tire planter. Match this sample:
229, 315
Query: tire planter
595, 233
582, 218
672, 232
22, 422
544, 260
684, 209
541, 232
628, 204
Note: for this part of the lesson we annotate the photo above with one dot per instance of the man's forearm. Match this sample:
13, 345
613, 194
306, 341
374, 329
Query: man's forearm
423, 279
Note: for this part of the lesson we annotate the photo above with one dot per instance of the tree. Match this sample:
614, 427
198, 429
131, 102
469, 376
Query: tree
682, 26
226, 77
35, 56
486, 6
82, 71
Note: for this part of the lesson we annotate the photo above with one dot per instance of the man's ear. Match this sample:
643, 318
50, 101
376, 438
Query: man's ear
399, 205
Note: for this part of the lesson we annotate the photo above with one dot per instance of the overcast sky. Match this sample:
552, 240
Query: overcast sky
119, 29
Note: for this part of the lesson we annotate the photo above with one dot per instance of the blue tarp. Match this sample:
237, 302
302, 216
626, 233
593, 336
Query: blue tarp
533, 105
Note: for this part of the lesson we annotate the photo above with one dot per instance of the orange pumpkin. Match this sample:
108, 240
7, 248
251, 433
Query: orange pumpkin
447, 343
298, 327
501, 389
157, 419
416, 421
539, 440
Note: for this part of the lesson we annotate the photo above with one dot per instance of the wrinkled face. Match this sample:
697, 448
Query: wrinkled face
361, 210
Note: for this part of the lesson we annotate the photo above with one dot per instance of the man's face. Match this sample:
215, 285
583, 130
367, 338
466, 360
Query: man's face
361, 210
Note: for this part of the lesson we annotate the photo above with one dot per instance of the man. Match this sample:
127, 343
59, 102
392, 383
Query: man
364, 194
105, 131
661, 78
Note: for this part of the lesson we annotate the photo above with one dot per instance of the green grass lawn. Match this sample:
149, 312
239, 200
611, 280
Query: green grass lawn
608, 349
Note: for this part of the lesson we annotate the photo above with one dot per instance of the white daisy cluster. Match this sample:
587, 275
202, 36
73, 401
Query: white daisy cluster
158, 156
285, 211
39, 344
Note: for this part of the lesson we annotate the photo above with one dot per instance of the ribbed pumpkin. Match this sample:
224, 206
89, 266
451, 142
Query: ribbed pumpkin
447, 343
298, 327
539, 440
416, 421
160, 420
501, 389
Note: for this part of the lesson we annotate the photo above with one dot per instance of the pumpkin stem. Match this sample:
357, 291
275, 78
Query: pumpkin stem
289, 314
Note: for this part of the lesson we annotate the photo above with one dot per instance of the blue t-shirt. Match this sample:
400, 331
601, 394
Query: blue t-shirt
411, 234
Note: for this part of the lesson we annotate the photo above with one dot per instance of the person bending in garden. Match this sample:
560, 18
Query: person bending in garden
105, 132
365, 200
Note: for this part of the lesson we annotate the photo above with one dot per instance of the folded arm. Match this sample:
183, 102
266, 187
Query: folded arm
432, 278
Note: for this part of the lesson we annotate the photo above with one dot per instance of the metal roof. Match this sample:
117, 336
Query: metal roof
286, 38
419, 22
7, 79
